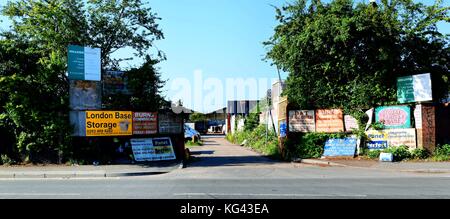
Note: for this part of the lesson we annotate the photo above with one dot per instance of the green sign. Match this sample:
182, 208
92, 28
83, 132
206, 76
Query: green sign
415, 88
394, 117
405, 89
84, 63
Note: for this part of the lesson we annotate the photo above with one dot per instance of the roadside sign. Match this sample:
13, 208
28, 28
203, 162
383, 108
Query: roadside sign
152, 149
302, 121
85, 95
340, 147
108, 123
394, 117
381, 139
115, 82
283, 129
170, 123
145, 123
329, 120
84, 63
414, 88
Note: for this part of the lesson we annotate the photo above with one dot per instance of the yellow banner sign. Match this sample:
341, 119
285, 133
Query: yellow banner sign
109, 123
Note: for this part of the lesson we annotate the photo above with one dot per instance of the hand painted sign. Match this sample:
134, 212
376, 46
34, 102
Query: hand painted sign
152, 149
350, 123
394, 116
381, 139
340, 147
329, 120
108, 123
145, 123
415, 88
84, 63
302, 121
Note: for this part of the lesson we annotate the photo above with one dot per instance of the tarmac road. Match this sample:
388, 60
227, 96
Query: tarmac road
226, 171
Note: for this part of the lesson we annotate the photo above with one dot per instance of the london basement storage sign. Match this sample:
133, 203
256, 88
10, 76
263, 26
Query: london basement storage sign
84, 63
108, 123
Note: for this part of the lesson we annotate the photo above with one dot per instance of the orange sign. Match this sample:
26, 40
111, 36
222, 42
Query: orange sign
108, 123
329, 120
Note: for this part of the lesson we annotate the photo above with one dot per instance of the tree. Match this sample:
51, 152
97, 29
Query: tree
33, 63
197, 117
342, 55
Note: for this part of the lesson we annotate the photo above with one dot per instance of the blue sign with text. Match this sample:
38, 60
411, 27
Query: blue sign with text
340, 147
283, 129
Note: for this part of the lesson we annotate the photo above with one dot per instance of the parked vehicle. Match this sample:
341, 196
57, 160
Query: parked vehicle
189, 133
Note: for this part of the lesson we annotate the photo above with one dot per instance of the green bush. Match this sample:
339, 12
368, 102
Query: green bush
419, 153
251, 122
256, 139
374, 154
5, 160
442, 153
400, 153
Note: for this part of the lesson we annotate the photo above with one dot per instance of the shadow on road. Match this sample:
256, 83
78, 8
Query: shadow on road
215, 161
201, 152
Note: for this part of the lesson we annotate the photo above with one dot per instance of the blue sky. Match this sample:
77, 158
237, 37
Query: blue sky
219, 38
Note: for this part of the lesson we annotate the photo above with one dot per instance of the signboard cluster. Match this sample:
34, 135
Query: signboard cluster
321, 120
124, 123
397, 130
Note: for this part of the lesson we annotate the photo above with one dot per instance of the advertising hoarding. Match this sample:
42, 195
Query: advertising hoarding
340, 147
350, 123
109, 123
84, 63
329, 120
415, 88
85, 95
302, 121
394, 117
283, 128
377, 140
152, 149
145, 123
381, 139
170, 123
115, 82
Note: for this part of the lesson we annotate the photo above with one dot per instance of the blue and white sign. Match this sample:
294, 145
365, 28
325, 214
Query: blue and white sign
84, 63
283, 129
152, 149
386, 157
340, 147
